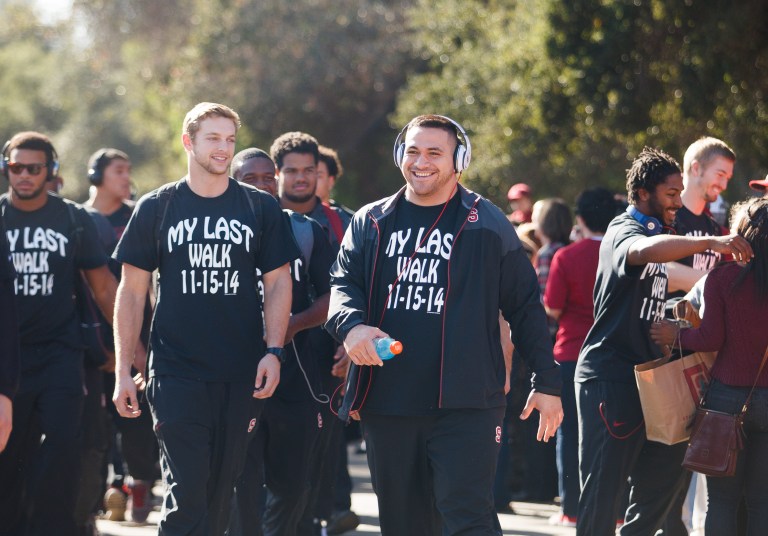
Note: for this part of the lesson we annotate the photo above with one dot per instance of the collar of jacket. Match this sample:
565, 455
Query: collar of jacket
384, 207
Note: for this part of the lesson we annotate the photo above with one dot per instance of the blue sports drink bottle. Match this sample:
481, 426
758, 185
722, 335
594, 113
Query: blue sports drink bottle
387, 347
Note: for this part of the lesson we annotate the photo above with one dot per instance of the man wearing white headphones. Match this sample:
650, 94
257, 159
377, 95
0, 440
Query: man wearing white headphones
432, 266
50, 239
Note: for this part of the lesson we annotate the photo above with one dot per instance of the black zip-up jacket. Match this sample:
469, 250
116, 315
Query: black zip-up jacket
488, 271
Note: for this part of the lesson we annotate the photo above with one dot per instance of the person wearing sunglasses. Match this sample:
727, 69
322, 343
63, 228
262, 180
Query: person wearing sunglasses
50, 240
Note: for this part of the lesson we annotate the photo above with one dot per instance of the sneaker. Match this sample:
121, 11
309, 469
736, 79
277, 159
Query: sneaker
342, 522
141, 503
562, 520
115, 502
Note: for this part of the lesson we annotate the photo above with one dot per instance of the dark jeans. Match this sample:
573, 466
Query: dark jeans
39, 481
568, 444
612, 449
434, 474
202, 429
724, 493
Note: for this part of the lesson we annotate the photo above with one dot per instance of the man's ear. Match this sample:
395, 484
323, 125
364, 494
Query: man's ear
695, 168
186, 141
643, 194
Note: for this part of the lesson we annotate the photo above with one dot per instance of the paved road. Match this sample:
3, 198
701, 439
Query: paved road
529, 519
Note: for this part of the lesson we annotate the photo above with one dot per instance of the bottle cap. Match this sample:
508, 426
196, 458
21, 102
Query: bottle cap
396, 347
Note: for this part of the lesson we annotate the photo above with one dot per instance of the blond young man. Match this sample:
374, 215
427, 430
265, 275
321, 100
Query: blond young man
211, 362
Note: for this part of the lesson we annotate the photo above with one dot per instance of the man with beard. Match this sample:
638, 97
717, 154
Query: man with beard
432, 266
630, 293
51, 240
297, 159
282, 452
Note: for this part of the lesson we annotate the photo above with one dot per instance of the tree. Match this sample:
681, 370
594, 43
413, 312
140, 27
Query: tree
328, 67
563, 94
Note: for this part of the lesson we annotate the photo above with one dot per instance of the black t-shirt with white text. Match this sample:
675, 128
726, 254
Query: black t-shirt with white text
208, 319
320, 339
48, 246
409, 383
627, 300
689, 224
302, 357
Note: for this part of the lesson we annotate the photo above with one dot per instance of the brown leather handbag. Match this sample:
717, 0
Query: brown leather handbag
717, 438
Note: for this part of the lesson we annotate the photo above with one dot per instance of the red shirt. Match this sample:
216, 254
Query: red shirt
734, 324
569, 288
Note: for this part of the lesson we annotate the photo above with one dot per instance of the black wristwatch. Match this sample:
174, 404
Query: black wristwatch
278, 352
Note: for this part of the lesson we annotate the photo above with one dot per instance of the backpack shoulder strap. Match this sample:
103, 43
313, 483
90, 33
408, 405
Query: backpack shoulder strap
164, 196
335, 220
301, 227
77, 227
258, 213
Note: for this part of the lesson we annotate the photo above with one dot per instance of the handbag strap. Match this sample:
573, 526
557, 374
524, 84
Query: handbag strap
759, 371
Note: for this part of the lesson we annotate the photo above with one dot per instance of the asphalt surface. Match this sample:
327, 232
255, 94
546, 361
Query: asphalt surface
528, 519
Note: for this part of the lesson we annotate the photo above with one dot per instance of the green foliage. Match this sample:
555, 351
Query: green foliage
29, 57
562, 95
558, 94
328, 67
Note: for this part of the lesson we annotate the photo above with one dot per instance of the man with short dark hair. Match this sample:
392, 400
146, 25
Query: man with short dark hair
282, 453
630, 293
297, 157
210, 355
109, 173
51, 240
568, 300
432, 266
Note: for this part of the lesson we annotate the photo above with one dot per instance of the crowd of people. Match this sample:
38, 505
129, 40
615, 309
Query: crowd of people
610, 288
231, 317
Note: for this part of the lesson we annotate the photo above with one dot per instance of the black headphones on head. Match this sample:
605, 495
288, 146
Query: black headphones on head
461, 156
96, 167
651, 225
51, 166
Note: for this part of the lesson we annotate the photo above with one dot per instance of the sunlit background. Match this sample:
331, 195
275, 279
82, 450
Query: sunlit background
559, 94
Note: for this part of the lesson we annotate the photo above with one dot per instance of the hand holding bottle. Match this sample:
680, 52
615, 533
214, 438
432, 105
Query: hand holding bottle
387, 347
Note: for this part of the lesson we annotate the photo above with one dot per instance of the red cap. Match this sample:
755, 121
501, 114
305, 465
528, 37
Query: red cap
518, 190
759, 185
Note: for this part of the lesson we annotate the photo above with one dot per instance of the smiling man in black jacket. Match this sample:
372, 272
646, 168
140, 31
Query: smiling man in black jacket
432, 266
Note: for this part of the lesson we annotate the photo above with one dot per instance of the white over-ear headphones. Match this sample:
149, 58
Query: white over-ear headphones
461, 157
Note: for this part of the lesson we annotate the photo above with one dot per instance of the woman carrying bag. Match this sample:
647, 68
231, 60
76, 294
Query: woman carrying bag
735, 325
